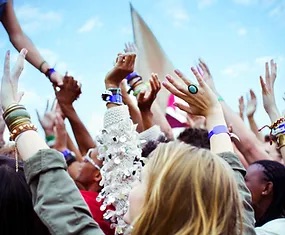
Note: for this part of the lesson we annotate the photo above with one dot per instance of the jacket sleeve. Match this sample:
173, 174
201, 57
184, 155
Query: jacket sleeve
56, 199
239, 171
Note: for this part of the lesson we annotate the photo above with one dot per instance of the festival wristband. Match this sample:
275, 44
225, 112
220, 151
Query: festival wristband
221, 129
279, 130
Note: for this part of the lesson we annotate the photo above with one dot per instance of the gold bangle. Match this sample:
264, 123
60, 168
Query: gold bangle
16, 115
18, 122
20, 129
10, 108
281, 141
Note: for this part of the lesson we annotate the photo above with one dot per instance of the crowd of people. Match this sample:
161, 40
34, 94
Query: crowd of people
218, 177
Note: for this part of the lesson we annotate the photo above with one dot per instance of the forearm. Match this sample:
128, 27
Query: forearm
26, 148
250, 145
160, 120
273, 113
81, 134
135, 114
71, 146
147, 119
20, 41
254, 128
221, 142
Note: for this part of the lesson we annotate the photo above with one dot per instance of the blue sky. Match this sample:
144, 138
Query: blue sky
234, 37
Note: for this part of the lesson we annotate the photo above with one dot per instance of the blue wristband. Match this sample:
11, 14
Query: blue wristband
116, 99
218, 130
279, 130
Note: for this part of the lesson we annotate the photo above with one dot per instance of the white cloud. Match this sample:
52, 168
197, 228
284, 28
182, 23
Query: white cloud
89, 25
205, 3
242, 31
236, 70
34, 19
179, 15
260, 61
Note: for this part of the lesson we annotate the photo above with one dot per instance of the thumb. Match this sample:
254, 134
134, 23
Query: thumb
19, 96
141, 95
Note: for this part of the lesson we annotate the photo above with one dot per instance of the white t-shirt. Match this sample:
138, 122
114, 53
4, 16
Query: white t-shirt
273, 227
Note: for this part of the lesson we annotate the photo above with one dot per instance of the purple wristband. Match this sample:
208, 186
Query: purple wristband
131, 76
218, 130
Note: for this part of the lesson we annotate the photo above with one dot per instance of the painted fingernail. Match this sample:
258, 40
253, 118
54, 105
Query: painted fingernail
168, 77
177, 71
8, 52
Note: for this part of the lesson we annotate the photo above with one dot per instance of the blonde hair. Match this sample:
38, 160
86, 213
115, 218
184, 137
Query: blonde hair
190, 191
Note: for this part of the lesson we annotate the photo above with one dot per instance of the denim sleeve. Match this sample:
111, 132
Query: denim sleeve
56, 199
239, 170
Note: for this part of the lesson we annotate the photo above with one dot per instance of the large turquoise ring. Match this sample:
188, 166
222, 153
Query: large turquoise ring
193, 89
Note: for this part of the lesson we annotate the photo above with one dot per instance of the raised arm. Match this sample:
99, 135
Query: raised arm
202, 101
250, 111
68, 93
133, 108
269, 104
251, 148
45, 169
20, 40
241, 107
145, 100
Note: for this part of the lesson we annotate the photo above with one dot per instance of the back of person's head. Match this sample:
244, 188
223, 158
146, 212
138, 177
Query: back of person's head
16, 208
189, 191
195, 136
273, 172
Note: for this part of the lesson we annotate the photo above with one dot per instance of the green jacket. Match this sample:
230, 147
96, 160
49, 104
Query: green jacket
239, 170
56, 199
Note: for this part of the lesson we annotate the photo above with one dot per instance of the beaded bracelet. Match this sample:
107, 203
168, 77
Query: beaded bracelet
20, 129
273, 127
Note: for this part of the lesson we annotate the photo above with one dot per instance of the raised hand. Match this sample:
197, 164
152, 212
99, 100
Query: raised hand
241, 107
124, 66
60, 134
204, 102
146, 98
10, 80
207, 76
130, 47
47, 121
57, 79
267, 87
251, 104
69, 91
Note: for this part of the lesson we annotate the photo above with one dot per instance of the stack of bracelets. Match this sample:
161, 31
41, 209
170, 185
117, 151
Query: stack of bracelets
136, 83
17, 120
277, 131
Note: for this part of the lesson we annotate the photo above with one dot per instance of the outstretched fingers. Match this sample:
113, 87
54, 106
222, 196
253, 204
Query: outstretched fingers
19, 65
182, 77
7, 65
263, 86
174, 87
